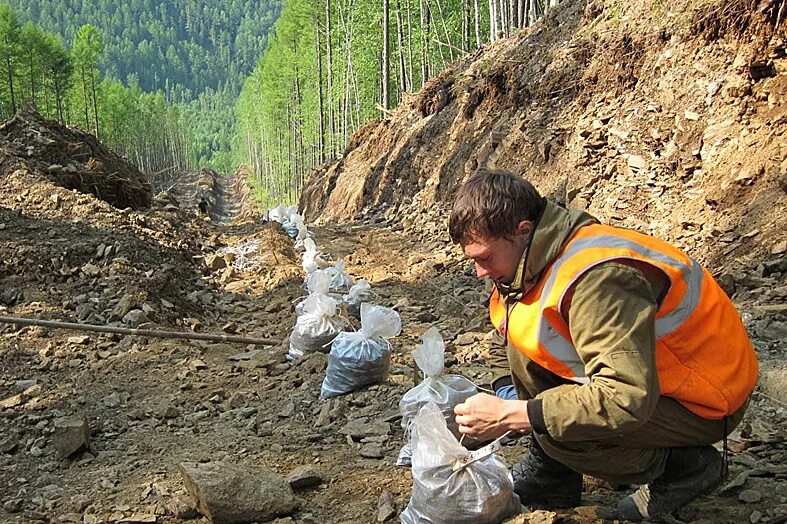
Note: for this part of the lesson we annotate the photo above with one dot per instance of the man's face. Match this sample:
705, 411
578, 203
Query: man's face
496, 257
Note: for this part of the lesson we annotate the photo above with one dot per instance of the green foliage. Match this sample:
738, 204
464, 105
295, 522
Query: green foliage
289, 119
10, 56
35, 66
86, 51
196, 53
191, 43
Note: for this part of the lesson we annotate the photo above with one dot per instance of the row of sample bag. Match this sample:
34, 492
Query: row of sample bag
479, 492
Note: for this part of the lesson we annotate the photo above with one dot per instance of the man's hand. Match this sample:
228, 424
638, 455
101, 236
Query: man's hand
487, 417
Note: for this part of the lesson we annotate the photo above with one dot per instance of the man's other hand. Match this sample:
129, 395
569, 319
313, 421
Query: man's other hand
486, 417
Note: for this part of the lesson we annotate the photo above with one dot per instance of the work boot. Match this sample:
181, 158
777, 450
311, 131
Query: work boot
688, 473
542, 481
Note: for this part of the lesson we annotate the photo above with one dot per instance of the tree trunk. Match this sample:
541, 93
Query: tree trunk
329, 78
410, 46
347, 29
84, 96
320, 108
492, 20
400, 44
32, 78
522, 13
10, 71
298, 135
533, 12
386, 63
95, 101
465, 25
58, 102
424, 41
477, 22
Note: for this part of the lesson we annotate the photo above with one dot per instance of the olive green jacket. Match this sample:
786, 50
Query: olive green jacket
611, 318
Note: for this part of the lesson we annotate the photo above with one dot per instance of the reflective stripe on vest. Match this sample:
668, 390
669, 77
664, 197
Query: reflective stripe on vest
691, 273
710, 369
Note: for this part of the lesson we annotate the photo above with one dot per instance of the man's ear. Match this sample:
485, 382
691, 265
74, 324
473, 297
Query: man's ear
525, 228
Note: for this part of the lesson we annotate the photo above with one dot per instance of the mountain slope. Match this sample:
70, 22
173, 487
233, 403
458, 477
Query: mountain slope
182, 46
665, 119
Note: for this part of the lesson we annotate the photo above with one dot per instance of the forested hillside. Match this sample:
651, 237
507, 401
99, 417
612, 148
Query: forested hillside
334, 65
66, 85
197, 54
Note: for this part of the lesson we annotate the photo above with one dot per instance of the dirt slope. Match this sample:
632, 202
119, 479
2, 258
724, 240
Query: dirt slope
665, 117
72, 159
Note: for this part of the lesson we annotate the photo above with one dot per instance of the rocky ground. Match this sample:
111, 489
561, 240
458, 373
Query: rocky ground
159, 410
101, 428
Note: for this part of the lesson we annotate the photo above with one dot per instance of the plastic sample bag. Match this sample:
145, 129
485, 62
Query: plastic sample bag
359, 293
311, 259
364, 357
278, 214
445, 390
340, 282
317, 325
303, 235
293, 224
482, 492
319, 283
290, 229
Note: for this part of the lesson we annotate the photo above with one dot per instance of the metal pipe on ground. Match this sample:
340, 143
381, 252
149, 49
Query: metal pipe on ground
140, 332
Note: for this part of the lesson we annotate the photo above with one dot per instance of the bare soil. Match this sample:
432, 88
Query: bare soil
597, 104
153, 404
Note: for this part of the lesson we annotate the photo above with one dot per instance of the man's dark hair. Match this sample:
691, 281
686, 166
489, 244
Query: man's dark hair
491, 204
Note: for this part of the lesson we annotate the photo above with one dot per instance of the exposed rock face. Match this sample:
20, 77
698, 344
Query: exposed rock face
641, 118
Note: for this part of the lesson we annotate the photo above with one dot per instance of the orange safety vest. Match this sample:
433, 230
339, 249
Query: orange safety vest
704, 357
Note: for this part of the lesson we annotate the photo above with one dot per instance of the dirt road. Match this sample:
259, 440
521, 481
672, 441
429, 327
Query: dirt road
153, 404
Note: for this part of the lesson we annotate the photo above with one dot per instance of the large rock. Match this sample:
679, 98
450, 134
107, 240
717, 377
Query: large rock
135, 317
773, 379
121, 309
71, 434
227, 494
304, 477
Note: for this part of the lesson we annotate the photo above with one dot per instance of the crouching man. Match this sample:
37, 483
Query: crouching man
631, 359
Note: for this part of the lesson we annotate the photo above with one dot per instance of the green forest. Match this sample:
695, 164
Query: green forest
188, 55
332, 65
278, 86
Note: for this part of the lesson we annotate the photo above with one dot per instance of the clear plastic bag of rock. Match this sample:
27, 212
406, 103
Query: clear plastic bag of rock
302, 236
318, 283
293, 224
279, 213
317, 325
282, 214
482, 492
359, 293
311, 259
362, 358
445, 390
340, 281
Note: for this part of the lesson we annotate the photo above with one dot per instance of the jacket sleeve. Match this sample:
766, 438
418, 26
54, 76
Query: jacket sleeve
611, 318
